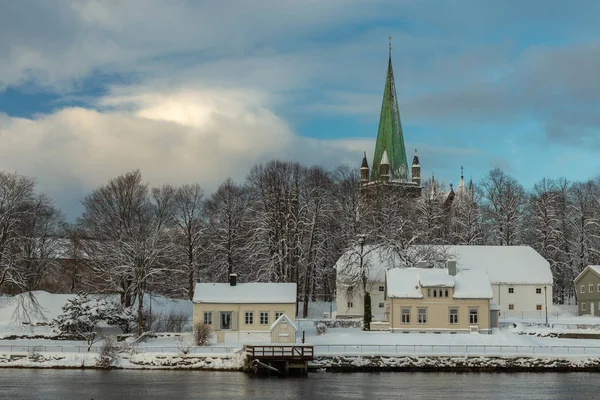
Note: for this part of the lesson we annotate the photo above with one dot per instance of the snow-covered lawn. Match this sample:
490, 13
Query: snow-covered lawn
347, 341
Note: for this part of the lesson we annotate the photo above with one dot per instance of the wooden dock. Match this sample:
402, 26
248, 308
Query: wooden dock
283, 360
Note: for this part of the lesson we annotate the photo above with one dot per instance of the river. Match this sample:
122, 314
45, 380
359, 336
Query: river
130, 384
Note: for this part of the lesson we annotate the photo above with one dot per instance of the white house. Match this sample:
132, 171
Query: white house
520, 277
247, 312
349, 290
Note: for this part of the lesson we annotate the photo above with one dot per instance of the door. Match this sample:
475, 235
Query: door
225, 319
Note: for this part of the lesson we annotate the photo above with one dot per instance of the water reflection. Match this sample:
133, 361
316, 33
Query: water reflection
100, 385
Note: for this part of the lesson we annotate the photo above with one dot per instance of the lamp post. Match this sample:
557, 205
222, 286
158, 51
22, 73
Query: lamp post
546, 303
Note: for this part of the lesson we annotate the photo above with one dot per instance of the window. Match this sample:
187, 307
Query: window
422, 318
440, 292
598, 288
208, 318
225, 319
446, 293
473, 316
591, 288
538, 290
278, 314
582, 289
538, 307
511, 290
381, 288
350, 305
428, 292
264, 317
405, 318
381, 305
434, 293
454, 315
249, 317
582, 306
511, 306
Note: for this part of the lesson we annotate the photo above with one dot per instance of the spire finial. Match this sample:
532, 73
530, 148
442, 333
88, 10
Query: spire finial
365, 154
390, 44
462, 171
415, 152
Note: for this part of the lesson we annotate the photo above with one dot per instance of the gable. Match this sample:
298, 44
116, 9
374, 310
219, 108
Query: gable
590, 269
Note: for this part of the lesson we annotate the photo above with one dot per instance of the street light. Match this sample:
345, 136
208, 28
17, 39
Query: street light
546, 302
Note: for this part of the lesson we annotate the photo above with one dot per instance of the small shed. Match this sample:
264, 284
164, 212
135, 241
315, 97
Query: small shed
283, 330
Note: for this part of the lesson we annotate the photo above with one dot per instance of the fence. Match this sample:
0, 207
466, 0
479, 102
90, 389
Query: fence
142, 349
443, 350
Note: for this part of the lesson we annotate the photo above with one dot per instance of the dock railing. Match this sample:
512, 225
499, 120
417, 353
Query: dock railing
300, 352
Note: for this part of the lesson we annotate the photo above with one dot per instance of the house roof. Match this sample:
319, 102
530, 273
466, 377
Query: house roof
254, 292
504, 264
467, 284
595, 268
282, 317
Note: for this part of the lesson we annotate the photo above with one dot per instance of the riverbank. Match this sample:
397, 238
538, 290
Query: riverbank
454, 364
363, 363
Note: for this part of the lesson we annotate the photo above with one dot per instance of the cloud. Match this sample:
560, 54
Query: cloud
200, 135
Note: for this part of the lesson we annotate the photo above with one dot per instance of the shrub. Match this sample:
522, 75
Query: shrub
321, 328
34, 354
340, 323
108, 353
173, 322
202, 334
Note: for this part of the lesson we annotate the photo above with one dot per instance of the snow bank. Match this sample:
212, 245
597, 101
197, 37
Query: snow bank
455, 364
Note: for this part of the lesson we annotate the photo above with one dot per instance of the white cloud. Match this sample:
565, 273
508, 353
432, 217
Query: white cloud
173, 137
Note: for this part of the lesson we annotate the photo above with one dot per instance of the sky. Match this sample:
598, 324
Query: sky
197, 91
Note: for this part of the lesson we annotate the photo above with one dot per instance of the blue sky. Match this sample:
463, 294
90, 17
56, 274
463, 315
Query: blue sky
196, 91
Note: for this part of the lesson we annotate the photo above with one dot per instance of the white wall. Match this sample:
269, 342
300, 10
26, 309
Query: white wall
358, 304
248, 337
524, 298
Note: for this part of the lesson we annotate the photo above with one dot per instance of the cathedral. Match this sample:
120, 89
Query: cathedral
389, 171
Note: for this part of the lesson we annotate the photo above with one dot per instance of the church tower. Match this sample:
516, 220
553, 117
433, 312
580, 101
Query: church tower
390, 138
389, 170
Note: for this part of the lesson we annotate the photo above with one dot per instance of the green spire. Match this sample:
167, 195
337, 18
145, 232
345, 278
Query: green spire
389, 135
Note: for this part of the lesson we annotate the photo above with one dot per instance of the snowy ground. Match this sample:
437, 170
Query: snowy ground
36, 346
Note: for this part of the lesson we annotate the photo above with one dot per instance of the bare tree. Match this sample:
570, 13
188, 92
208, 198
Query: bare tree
504, 199
189, 217
17, 199
227, 213
133, 236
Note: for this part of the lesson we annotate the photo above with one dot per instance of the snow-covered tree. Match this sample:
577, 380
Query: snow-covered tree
82, 315
227, 231
503, 203
191, 223
133, 236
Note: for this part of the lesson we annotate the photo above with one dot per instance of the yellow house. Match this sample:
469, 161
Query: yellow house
247, 312
438, 300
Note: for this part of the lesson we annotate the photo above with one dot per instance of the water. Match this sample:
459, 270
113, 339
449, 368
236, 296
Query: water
101, 385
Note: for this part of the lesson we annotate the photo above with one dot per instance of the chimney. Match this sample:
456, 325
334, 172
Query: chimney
451, 267
232, 279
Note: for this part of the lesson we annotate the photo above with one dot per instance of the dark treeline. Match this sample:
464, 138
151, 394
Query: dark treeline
284, 223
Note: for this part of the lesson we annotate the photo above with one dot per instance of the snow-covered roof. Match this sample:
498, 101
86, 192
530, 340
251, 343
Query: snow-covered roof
254, 292
467, 284
282, 317
595, 268
375, 260
503, 264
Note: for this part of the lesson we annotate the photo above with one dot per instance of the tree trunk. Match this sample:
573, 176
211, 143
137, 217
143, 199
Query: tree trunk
140, 313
